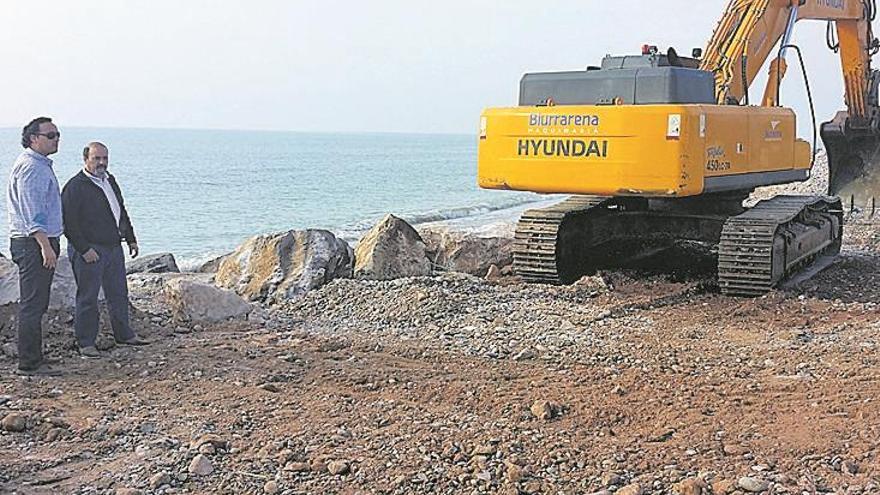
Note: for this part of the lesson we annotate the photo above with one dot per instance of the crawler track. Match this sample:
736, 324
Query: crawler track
757, 249
536, 256
775, 239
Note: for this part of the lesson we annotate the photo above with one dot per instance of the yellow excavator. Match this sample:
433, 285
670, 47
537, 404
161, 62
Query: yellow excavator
658, 148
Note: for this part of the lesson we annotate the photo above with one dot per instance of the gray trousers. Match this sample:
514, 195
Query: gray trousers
108, 272
34, 284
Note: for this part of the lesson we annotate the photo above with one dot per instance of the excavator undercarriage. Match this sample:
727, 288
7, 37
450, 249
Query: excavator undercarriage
757, 247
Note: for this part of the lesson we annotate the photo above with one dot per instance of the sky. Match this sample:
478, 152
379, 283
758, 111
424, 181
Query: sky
335, 66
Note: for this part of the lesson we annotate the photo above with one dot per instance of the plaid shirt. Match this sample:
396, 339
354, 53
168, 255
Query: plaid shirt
33, 199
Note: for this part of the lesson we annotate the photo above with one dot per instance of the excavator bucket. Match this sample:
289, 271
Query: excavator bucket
853, 165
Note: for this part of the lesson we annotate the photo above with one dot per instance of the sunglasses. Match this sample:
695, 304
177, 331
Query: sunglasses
50, 135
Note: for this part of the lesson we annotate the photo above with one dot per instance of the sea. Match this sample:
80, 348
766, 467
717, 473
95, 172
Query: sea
200, 193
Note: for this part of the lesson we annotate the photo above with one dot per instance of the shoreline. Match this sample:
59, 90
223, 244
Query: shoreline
491, 222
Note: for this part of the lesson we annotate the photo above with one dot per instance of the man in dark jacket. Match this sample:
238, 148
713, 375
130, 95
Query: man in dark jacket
95, 224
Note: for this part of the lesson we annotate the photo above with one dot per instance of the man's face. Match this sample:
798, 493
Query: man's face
98, 160
41, 142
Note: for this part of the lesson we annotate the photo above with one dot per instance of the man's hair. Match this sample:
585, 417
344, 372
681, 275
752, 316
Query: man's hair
32, 129
89, 147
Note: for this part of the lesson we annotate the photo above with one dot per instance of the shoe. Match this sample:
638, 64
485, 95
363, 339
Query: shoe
90, 352
41, 370
135, 341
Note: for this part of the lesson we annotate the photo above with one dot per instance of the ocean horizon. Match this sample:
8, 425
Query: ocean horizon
200, 193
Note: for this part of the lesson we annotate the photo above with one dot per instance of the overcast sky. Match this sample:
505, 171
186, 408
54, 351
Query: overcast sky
303, 65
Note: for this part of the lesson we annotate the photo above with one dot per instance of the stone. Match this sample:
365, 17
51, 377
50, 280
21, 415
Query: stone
10, 349
14, 422
391, 249
271, 487
212, 265
211, 438
467, 252
270, 387
62, 295
191, 300
201, 466
533, 487
338, 467
752, 485
631, 489
544, 409
693, 486
609, 479
157, 480
8, 282
277, 267
514, 472
493, 273
524, 355
128, 491
297, 467
153, 263
54, 434
723, 487
850, 467
592, 283
484, 450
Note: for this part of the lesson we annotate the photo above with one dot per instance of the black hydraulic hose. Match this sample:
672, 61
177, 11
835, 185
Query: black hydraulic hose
809, 93
830, 40
745, 78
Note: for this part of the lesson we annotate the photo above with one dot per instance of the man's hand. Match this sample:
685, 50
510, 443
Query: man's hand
133, 249
50, 259
91, 256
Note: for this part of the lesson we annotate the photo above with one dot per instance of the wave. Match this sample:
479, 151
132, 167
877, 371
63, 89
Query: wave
468, 211
353, 233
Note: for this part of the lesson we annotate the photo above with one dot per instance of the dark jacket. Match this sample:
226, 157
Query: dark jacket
88, 218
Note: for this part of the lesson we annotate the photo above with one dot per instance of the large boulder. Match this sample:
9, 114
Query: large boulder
8, 282
191, 300
153, 263
466, 252
212, 265
277, 267
391, 249
62, 295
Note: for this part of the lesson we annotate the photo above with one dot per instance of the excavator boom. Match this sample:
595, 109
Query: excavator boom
746, 36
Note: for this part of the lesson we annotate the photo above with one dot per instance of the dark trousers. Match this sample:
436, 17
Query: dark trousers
108, 272
34, 283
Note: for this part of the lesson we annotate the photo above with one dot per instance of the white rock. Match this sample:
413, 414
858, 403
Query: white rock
201, 466
62, 295
391, 249
196, 301
277, 267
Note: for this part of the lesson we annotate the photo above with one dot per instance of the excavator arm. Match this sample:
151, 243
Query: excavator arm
746, 37
749, 31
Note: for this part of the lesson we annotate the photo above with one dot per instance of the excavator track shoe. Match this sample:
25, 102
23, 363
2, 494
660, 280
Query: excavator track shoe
775, 239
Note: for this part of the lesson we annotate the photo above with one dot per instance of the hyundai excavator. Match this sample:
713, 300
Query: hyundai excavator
657, 148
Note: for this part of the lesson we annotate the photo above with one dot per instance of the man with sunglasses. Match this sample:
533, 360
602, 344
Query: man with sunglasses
95, 224
34, 206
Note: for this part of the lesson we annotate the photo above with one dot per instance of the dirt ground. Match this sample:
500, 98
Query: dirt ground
644, 383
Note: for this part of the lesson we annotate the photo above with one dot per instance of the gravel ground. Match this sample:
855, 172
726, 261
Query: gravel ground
631, 381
